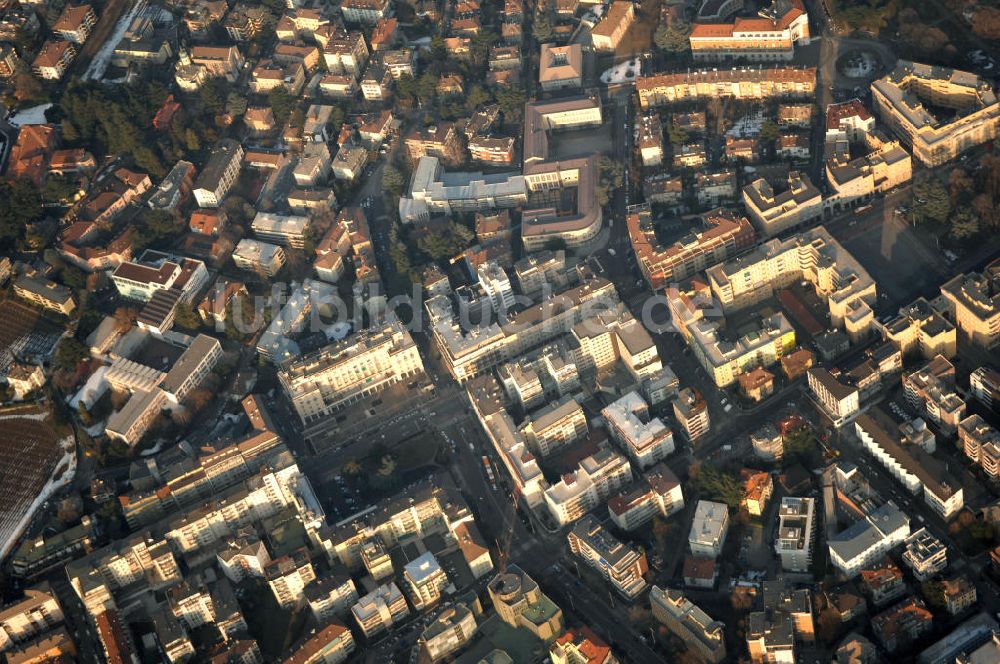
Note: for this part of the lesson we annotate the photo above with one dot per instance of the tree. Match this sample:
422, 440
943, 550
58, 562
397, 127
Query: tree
964, 225
677, 135
185, 316
20, 205
125, 318
281, 102
986, 23
426, 87
542, 28
511, 100
236, 104
930, 201
933, 592
960, 185
769, 131
476, 97
612, 175
714, 484
443, 243
69, 353
191, 141
156, 227
673, 38
392, 180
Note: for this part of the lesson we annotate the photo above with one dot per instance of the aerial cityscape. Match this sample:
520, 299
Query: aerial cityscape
500, 331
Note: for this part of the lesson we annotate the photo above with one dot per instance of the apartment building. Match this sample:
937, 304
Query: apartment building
709, 529
737, 83
555, 426
920, 329
984, 385
925, 554
981, 443
900, 99
581, 646
909, 464
219, 174
609, 31
796, 532
691, 412
902, 625
813, 256
258, 257
191, 604
288, 576
620, 565
839, 400
454, 627
332, 644
598, 477
346, 53
768, 37
366, 12
973, 302
560, 67
284, 230
53, 59
380, 609
326, 380
722, 235
867, 540
775, 212
425, 581
75, 23
758, 487
931, 392
218, 61
689, 623
646, 440
36, 289
520, 603
26, 619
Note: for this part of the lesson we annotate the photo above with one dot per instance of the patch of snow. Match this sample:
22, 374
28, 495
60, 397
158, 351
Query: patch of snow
625, 72
31, 116
92, 390
155, 449
748, 126
99, 64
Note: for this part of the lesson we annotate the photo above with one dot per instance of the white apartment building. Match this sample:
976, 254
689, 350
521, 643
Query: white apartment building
324, 381
867, 540
331, 597
555, 426
709, 529
658, 491
646, 440
496, 284
796, 529
25, 619
925, 554
598, 476
838, 400
909, 464
191, 604
774, 212
931, 392
622, 566
691, 412
380, 609
288, 577
425, 581
219, 174
453, 628
284, 230
258, 257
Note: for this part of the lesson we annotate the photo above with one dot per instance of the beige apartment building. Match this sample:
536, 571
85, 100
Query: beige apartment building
770, 36
324, 381
721, 235
608, 33
737, 83
974, 304
774, 212
555, 426
900, 97
560, 67
919, 329
814, 256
